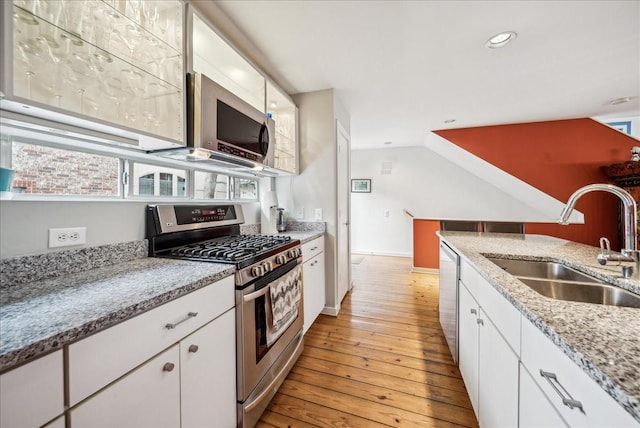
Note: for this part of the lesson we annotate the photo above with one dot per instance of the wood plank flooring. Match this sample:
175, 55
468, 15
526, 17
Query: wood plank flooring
382, 362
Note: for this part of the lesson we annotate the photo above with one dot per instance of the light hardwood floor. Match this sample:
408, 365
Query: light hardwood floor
382, 362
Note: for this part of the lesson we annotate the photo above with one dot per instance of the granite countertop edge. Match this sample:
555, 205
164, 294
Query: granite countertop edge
121, 260
503, 283
26, 353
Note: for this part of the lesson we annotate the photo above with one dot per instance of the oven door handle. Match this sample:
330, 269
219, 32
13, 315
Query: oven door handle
253, 296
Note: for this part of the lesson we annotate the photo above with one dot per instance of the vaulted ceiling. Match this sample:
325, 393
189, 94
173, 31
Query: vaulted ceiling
401, 68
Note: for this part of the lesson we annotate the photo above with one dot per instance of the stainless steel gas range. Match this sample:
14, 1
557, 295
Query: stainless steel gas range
268, 283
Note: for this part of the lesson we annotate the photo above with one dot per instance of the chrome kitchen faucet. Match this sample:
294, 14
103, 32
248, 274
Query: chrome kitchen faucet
630, 251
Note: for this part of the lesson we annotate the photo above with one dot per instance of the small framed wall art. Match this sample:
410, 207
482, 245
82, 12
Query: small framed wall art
361, 185
623, 126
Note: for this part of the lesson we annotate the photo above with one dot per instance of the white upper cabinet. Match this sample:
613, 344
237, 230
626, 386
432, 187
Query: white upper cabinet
215, 58
285, 113
120, 63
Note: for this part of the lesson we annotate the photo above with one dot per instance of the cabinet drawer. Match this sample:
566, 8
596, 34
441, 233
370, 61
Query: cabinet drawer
100, 359
312, 248
33, 394
502, 313
600, 409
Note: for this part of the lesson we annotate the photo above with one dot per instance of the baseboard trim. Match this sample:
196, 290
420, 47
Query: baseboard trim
430, 271
327, 310
375, 253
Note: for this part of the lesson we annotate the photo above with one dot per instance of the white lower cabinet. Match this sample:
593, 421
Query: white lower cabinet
208, 375
515, 375
488, 365
575, 396
313, 280
190, 383
147, 397
497, 378
468, 343
33, 394
535, 409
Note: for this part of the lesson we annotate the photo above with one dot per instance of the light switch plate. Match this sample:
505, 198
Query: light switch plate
318, 214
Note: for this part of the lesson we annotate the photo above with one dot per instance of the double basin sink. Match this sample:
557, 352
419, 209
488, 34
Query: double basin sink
557, 281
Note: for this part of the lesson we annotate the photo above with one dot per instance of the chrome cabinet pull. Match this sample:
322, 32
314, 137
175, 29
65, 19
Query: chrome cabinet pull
193, 348
553, 380
168, 367
480, 321
190, 315
474, 312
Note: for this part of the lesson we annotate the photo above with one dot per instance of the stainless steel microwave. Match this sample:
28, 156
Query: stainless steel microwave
218, 121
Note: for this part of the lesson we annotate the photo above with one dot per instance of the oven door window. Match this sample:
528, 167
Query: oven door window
277, 309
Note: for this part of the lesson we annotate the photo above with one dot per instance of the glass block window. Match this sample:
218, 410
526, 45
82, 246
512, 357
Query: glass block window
244, 188
211, 185
154, 180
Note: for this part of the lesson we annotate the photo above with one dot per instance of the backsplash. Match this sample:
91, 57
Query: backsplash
20, 270
306, 226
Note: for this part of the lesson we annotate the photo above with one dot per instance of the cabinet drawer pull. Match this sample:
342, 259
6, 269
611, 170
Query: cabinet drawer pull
314, 248
480, 321
190, 315
553, 380
474, 312
193, 348
168, 367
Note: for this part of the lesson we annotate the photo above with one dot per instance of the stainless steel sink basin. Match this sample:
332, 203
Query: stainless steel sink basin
560, 282
584, 292
546, 270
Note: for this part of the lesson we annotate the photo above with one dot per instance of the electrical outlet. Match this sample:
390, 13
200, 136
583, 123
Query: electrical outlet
300, 213
318, 214
386, 213
67, 237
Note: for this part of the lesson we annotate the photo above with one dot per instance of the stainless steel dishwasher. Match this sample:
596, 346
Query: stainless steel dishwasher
448, 308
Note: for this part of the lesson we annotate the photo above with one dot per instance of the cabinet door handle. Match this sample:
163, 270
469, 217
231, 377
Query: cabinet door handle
193, 348
553, 380
480, 321
168, 367
474, 312
190, 315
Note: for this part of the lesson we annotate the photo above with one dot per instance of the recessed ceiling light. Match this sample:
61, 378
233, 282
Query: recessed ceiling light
273, 104
449, 121
388, 143
620, 101
501, 39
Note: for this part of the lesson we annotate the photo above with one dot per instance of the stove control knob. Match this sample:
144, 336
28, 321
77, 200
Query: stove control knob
267, 266
292, 254
281, 259
257, 271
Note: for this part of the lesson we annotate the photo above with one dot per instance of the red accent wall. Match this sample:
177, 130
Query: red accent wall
557, 157
425, 244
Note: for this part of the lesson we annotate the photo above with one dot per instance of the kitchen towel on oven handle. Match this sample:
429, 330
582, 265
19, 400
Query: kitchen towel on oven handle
283, 301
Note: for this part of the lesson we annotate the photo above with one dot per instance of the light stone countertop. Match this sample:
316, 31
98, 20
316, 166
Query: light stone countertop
53, 299
45, 315
603, 340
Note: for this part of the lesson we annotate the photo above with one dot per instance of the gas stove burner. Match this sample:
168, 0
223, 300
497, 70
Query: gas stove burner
211, 233
230, 249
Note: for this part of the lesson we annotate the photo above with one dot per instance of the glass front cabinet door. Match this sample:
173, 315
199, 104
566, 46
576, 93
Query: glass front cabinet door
285, 113
117, 62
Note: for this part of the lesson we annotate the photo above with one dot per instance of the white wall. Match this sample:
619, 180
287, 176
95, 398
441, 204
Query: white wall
427, 185
25, 224
315, 187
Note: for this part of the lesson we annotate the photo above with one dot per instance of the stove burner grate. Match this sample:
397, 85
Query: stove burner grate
230, 249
